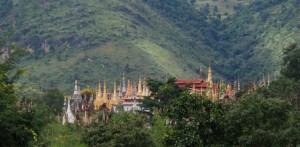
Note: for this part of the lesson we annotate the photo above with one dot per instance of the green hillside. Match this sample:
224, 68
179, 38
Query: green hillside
102, 39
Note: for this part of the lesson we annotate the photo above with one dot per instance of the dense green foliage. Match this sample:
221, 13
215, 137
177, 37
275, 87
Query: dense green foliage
54, 99
283, 88
158, 128
180, 12
161, 94
255, 121
291, 62
20, 123
5, 7
199, 121
123, 129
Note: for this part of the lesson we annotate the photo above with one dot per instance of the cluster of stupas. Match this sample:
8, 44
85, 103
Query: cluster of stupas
127, 97
219, 90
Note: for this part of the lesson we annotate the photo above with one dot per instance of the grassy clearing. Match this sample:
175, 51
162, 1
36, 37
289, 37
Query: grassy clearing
164, 59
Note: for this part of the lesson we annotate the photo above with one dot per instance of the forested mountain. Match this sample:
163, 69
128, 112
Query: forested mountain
258, 33
105, 38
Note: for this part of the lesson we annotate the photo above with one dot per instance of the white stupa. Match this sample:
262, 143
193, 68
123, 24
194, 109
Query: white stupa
68, 117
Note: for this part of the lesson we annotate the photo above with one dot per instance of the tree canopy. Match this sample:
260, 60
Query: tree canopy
123, 129
256, 121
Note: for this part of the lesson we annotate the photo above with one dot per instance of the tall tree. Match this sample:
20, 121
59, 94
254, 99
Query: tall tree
291, 62
161, 94
199, 121
18, 126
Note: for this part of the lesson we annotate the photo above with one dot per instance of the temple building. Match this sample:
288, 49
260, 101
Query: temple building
129, 97
201, 85
209, 88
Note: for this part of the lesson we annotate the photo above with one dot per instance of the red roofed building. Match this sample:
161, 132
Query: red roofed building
200, 85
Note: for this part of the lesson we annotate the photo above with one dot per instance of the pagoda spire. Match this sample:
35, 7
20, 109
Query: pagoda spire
115, 99
69, 113
268, 82
140, 92
144, 88
77, 99
98, 101
99, 93
76, 91
105, 99
254, 86
120, 89
239, 86
134, 90
77, 109
264, 80
209, 75
235, 87
148, 92
229, 89
260, 82
200, 74
68, 117
123, 86
129, 89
